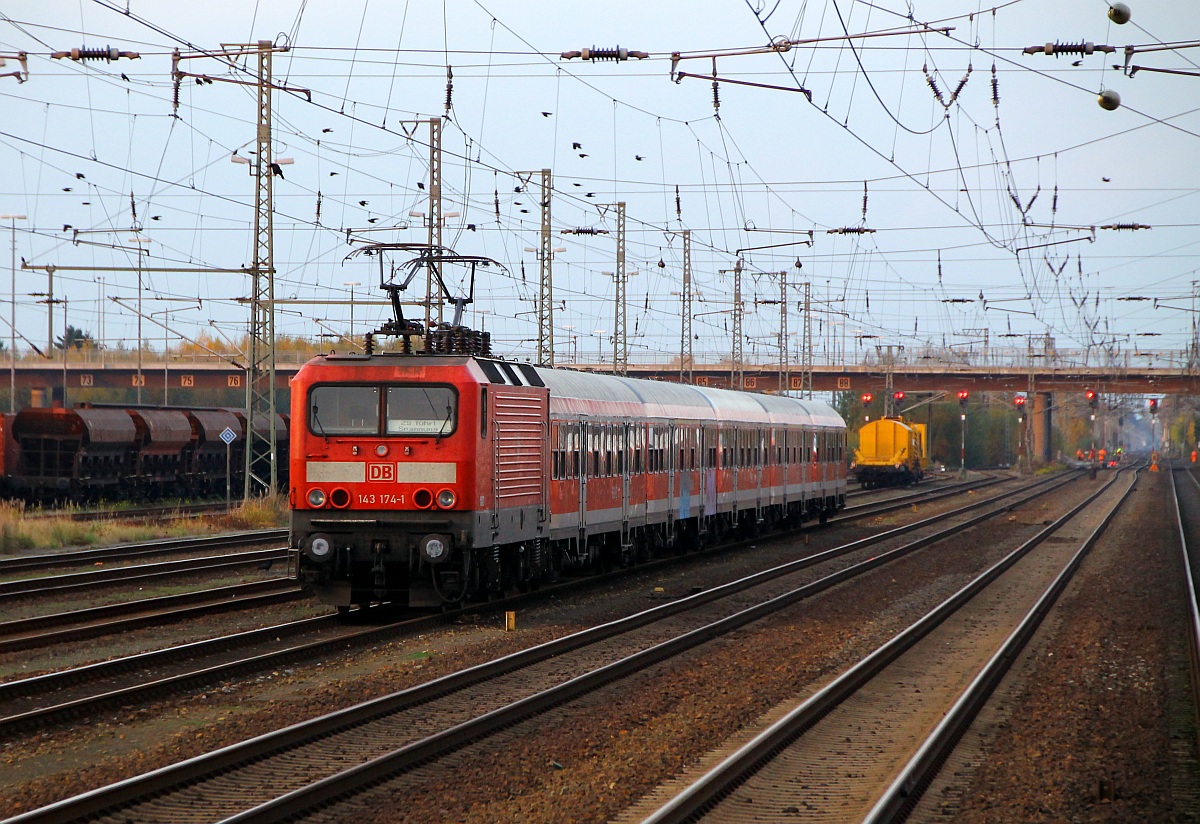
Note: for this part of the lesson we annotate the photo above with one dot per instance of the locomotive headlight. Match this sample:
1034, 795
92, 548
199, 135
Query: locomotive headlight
435, 548
446, 498
316, 497
319, 548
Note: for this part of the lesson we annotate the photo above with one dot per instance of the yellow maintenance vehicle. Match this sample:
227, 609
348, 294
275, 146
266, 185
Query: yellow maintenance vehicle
891, 451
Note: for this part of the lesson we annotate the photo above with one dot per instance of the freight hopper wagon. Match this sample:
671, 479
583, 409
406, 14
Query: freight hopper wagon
891, 451
427, 479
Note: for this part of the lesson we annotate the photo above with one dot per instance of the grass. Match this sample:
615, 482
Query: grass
20, 534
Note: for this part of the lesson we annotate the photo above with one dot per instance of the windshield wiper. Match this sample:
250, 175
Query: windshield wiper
317, 420
442, 429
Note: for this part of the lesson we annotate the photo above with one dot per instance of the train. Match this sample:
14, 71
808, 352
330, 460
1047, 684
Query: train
92, 453
891, 451
430, 478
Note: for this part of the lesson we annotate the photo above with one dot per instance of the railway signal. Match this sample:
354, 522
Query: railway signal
1154, 406
1019, 402
867, 397
1092, 398
963, 395
898, 395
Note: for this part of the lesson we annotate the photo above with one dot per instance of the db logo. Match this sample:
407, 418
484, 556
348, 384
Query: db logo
381, 472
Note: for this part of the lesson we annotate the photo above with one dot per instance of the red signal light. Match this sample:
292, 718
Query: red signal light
1154, 406
899, 396
963, 394
1019, 400
867, 397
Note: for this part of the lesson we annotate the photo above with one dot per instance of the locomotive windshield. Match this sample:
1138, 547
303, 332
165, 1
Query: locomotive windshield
409, 410
420, 410
344, 410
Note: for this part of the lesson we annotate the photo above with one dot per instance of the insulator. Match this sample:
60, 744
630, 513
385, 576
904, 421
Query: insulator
851, 230
929, 78
1057, 49
958, 89
716, 97
1126, 227
449, 88
678, 205
585, 230
995, 87
1054, 202
864, 200
496, 201
107, 53
175, 95
616, 54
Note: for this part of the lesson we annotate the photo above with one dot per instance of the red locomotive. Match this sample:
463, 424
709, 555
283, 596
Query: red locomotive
427, 479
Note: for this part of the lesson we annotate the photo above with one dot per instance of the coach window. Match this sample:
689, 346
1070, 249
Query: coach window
343, 410
608, 450
421, 410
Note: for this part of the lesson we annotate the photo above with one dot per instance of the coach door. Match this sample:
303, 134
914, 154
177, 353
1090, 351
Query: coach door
585, 467
672, 445
622, 450
708, 474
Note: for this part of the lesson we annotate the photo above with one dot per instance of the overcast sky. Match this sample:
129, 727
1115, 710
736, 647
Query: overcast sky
982, 216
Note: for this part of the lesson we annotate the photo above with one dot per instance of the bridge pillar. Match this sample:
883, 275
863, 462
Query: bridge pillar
1043, 426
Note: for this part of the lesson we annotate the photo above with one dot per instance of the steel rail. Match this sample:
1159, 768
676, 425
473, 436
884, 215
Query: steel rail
26, 587
905, 501
139, 513
42, 630
718, 782
122, 552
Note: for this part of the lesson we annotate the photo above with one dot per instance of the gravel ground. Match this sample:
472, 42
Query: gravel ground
56, 764
1096, 725
573, 769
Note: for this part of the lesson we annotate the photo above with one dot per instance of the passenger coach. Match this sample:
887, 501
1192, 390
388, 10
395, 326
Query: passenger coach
426, 479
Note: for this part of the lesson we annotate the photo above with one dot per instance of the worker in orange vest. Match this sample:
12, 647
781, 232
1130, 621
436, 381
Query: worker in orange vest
1103, 455
1193, 456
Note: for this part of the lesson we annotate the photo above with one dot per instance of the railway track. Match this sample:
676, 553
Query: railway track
82, 624
58, 584
70, 694
1186, 488
476, 703
907, 703
139, 551
132, 513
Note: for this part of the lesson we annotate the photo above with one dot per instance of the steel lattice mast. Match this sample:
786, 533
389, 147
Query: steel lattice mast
432, 281
620, 335
545, 305
261, 469
685, 334
737, 376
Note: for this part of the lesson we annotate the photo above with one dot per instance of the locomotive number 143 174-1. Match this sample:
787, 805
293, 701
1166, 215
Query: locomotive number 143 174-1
373, 498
